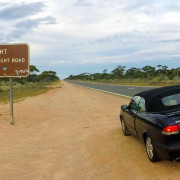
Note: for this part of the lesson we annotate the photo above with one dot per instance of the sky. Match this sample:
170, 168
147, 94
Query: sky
78, 36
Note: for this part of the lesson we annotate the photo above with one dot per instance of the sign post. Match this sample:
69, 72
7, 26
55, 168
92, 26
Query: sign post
14, 62
11, 100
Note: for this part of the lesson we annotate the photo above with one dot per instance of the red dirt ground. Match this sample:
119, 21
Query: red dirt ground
73, 133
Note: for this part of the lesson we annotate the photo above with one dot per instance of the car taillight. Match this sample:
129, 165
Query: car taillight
171, 130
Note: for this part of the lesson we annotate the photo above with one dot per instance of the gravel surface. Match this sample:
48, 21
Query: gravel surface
73, 133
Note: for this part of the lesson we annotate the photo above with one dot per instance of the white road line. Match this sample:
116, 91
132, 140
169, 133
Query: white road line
104, 91
131, 88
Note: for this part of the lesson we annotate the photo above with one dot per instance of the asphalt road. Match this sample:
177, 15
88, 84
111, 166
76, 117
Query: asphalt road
128, 91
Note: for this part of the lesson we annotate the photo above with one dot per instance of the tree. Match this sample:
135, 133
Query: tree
177, 71
33, 69
174, 72
105, 71
150, 71
105, 75
48, 76
165, 69
162, 69
133, 73
33, 77
119, 71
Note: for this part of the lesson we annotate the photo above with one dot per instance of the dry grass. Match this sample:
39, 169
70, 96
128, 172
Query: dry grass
21, 92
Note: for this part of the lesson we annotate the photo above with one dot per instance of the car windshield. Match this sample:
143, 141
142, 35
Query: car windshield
171, 100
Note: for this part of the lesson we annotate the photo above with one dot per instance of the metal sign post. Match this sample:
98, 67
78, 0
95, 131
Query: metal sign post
11, 100
14, 62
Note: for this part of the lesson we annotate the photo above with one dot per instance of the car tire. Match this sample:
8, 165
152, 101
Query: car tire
124, 128
151, 152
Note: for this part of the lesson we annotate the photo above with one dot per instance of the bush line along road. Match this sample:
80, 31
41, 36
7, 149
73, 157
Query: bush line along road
73, 133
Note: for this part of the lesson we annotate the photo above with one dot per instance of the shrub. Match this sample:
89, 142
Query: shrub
159, 79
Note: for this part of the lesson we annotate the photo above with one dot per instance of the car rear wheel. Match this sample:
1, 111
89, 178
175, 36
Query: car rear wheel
151, 152
124, 128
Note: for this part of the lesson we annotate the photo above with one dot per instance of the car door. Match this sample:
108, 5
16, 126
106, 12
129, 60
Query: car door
140, 117
130, 115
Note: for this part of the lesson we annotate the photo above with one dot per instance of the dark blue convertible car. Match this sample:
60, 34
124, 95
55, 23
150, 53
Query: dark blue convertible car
153, 116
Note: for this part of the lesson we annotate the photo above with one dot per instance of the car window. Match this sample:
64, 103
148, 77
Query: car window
142, 105
171, 100
134, 103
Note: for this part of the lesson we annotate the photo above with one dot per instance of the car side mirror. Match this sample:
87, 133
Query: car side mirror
124, 107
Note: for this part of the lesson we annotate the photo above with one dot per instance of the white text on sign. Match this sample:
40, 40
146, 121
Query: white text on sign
13, 60
3, 51
18, 60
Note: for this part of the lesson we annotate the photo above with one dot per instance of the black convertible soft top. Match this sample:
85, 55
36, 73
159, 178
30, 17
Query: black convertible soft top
154, 97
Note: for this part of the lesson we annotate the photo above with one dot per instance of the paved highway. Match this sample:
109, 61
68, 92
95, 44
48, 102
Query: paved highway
128, 91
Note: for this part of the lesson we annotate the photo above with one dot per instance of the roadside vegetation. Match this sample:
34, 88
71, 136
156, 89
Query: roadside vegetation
146, 76
32, 85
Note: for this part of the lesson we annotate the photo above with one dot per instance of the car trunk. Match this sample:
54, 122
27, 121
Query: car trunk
174, 119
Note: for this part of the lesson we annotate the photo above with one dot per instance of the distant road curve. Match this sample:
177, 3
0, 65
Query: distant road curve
127, 91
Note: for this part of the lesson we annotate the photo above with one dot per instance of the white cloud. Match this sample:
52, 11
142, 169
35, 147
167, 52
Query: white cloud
93, 31
60, 62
